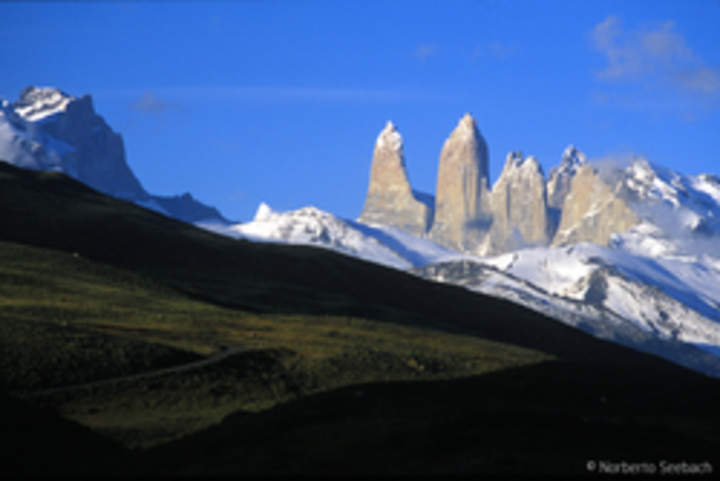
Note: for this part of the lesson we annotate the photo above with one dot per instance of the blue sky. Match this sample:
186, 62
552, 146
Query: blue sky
240, 102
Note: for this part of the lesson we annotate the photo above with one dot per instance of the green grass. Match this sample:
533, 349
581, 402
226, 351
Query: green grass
66, 320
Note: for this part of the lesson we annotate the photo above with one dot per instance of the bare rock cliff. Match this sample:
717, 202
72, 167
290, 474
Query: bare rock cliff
462, 195
390, 200
519, 206
593, 210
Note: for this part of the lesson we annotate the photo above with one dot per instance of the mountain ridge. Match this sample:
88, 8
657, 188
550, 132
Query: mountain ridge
48, 129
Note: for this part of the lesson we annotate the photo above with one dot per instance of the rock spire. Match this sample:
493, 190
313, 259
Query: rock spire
390, 200
461, 197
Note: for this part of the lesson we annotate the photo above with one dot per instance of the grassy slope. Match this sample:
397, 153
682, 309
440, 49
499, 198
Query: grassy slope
67, 320
312, 320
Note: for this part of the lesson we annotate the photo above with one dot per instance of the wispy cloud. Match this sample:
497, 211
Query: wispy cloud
148, 103
423, 51
495, 49
649, 55
265, 94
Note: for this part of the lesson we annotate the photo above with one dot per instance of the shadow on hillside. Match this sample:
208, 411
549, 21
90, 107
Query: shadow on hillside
38, 442
549, 418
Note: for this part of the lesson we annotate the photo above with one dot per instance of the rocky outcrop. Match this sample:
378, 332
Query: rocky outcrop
461, 218
390, 200
593, 209
518, 203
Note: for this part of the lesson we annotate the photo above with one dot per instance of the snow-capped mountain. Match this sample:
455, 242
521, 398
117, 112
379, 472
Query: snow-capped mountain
654, 287
631, 253
669, 306
590, 314
311, 226
48, 129
681, 208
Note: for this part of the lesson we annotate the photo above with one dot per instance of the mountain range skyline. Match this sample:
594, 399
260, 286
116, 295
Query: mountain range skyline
278, 237
287, 116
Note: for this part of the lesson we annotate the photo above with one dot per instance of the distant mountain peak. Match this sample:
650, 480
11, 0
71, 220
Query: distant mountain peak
466, 128
390, 199
572, 157
389, 138
48, 129
463, 185
263, 212
515, 161
514, 158
36, 103
558, 184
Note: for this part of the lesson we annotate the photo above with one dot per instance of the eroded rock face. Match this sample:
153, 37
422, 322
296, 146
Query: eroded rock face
593, 210
96, 155
461, 218
519, 206
558, 184
390, 200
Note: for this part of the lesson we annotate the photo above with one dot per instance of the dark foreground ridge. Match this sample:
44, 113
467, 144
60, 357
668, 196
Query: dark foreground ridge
551, 418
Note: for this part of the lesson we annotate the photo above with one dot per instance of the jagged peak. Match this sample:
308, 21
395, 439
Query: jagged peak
390, 138
263, 212
642, 169
36, 103
466, 128
515, 161
572, 156
514, 158
531, 160
467, 120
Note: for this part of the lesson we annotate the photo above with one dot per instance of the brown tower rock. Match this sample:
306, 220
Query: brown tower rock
390, 200
519, 206
461, 197
593, 210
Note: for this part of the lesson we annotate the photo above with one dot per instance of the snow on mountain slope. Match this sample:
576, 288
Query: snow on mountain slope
670, 298
586, 312
673, 298
666, 306
37, 103
26, 146
311, 226
680, 205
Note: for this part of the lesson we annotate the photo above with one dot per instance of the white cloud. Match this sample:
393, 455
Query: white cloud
652, 54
